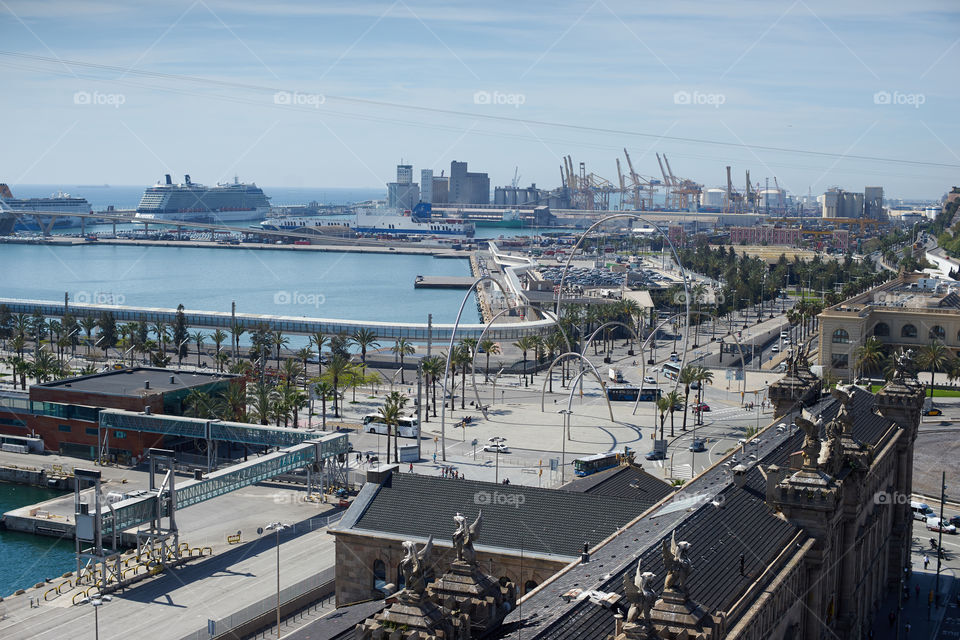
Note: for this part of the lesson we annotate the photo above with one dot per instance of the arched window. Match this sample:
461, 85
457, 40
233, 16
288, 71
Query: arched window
881, 330
937, 333
840, 336
379, 574
529, 586
908, 331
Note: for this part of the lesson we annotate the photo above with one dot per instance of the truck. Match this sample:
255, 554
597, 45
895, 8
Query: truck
616, 376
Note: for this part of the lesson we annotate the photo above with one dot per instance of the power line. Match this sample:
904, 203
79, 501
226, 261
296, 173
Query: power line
468, 114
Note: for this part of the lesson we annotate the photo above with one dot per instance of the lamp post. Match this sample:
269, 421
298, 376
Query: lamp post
278, 527
497, 442
563, 450
97, 603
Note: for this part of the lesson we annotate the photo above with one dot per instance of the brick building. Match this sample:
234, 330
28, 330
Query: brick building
65, 413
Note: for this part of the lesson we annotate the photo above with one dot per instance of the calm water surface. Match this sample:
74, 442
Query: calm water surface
26, 559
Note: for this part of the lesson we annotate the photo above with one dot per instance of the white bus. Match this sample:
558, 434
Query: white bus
671, 370
407, 427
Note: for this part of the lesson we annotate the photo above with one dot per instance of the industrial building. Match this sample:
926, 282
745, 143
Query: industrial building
468, 187
837, 203
404, 193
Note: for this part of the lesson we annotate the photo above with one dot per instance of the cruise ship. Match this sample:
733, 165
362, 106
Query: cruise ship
57, 203
193, 202
376, 221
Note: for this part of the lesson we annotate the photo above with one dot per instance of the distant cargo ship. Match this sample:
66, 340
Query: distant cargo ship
376, 221
193, 202
59, 202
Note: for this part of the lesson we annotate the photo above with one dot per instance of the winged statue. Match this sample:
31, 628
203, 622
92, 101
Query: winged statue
811, 441
465, 536
677, 563
413, 566
640, 595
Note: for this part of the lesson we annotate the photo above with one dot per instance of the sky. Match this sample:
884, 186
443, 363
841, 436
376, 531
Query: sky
321, 94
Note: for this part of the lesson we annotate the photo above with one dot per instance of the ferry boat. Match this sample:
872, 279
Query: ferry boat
376, 221
59, 202
194, 202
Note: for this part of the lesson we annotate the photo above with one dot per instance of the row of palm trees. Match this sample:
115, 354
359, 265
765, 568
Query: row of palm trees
673, 401
874, 356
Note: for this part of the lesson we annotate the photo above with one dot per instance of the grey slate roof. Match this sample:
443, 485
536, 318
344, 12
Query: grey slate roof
628, 481
744, 524
339, 624
546, 521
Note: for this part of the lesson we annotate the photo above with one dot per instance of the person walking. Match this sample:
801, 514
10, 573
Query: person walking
411, 467
926, 561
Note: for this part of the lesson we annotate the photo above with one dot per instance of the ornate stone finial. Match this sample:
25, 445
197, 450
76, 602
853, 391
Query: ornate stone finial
413, 567
844, 394
811, 442
677, 563
640, 595
903, 365
465, 536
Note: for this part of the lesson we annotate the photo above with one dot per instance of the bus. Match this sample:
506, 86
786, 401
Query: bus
628, 393
671, 370
407, 427
598, 462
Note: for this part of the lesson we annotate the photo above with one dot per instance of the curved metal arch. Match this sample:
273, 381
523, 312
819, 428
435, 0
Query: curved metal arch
603, 387
473, 369
676, 257
446, 370
604, 326
643, 362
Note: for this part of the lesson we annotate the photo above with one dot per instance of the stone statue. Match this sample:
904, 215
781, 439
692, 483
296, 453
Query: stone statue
465, 536
677, 563
640, 595
903, 365
844, 394
413, 566
811, 441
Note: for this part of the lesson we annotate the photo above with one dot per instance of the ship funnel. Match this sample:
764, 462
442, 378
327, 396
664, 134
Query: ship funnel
186, 178
168, 180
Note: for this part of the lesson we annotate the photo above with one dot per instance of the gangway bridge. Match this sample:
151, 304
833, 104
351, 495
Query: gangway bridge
414, 331
316, 451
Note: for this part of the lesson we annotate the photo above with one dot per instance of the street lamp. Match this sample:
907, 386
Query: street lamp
563, 451
278, 527
97, 603
497, 442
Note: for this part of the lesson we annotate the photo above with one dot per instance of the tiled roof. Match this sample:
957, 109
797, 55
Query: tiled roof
339, 624
547, 521
628, 481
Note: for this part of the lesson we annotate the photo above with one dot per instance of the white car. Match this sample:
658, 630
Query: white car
936, 524
775, 348
649, 380
495, 447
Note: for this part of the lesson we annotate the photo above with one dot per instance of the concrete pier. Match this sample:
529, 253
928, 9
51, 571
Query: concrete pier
443, 282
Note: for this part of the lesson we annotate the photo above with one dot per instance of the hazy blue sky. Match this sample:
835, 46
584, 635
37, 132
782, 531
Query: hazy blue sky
871, 79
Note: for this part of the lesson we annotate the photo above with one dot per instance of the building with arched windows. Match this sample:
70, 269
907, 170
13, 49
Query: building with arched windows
908, 312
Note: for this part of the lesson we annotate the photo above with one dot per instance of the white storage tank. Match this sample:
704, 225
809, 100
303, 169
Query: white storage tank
773, 198
713, 197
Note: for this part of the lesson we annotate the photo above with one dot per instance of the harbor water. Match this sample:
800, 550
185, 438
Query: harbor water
26, 559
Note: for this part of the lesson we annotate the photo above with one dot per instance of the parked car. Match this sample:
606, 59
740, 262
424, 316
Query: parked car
936, 524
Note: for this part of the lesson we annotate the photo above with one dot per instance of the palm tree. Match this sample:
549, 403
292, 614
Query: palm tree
934, 357
290, 371
663, 406
688, 375
279, 341
365, 339
675, 400
303, 355
292, 399
323, 391
462, 358
338, 367
219, 337
235, 332
489, 347
199, 404
235, 403
868, 356
199, 337
524, 344
432, 368
402, 348
318, 340
88, 323
391, 411
261, 398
